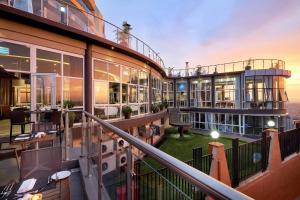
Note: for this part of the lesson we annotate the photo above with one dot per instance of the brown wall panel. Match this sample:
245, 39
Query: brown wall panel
28, 34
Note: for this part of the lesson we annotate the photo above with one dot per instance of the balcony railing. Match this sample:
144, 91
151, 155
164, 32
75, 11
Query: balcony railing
123, 180
253, 64
65, 13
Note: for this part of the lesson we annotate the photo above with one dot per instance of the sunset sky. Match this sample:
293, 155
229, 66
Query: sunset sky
214, 31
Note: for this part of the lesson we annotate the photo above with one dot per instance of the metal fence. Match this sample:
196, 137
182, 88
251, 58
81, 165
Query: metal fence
245, 160
289, 142
158, 183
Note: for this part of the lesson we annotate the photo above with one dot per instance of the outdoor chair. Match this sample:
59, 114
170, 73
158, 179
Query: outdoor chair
55, 119
40, 163
18, 118
7, 153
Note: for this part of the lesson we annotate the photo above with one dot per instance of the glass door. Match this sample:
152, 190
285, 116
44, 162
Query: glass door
43, 87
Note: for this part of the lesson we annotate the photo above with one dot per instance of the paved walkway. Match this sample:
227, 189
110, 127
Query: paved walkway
225, 135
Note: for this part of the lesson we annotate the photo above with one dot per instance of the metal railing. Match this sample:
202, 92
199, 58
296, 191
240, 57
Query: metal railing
253, 64
289, 142
92, 138
66, 13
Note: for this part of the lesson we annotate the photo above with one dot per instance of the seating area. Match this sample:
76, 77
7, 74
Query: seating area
31, 150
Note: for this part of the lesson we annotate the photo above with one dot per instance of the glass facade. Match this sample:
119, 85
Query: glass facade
117, 85
227, 93
18, 59
156, 89
168, 92
265, 92
181, 94
201, 93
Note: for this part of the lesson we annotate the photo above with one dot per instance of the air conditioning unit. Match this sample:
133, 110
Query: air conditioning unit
107, 147
121, 144
121, 159
109, 164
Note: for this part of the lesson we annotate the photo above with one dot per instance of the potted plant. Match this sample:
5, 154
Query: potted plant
166, 105
248, 66
124, 34
161, 106
155, 108
126, 110
68, 104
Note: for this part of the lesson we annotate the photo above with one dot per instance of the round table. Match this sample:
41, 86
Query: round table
181, 127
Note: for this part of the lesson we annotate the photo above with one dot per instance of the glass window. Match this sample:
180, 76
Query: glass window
134, 76
143, 95
143, 78
101, 92
73, 90
114, 93
73, 66
48, 62
124, 93
132, 94
14, 56
113, 72
125, 74
100, 70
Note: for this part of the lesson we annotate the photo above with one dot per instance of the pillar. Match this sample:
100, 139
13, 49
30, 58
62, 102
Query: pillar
274, 160
88, 79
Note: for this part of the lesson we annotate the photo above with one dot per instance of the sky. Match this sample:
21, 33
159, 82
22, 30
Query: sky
208, 32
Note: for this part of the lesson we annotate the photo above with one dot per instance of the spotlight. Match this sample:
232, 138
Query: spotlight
62, 9
271, 123
215, 135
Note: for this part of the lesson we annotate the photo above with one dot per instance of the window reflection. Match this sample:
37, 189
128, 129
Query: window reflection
48, 62
101, 92
73, 90
73, 66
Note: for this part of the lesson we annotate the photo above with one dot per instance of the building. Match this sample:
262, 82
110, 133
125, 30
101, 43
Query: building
238, 97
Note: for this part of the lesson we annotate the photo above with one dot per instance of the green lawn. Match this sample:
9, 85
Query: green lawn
182, 148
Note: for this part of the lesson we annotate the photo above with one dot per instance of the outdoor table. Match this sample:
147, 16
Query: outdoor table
181, 126
54, 190
34, 140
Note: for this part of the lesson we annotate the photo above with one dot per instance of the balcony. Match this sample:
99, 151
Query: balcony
64, 13
247, 65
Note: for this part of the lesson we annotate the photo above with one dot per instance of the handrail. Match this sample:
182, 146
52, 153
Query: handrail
206, 183
137, 44
227, 67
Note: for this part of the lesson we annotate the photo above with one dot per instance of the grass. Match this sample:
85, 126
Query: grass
182, 148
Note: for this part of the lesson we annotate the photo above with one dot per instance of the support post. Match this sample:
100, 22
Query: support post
264, 159
67, 135
274, 155
235, 162
88, 148
83, 134
129, 173
100, 178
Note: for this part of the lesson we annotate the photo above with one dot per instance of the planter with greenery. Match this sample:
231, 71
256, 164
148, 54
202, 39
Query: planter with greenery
68, 104
126, 110
166, 105
161, 106
155, 108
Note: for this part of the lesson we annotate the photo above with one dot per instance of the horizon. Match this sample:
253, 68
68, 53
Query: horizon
206, 39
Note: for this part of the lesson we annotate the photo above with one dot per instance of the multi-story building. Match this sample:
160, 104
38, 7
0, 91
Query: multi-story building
238, 97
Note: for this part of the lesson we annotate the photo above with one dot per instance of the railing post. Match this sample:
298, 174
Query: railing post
197, 158
88, 147
235, 162
264, 160
67, 135
129, 173
100, 178
83, 134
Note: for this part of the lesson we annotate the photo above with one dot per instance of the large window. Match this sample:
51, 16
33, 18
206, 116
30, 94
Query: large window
265, 92
14, 57
227, 93
156, 89
117, 85
168, 93
181, 94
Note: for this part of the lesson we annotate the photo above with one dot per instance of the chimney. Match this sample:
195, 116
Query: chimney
186, 68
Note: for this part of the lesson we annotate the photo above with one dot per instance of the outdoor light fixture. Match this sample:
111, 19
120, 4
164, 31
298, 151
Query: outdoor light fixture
271, 123
62, 9
215, 135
